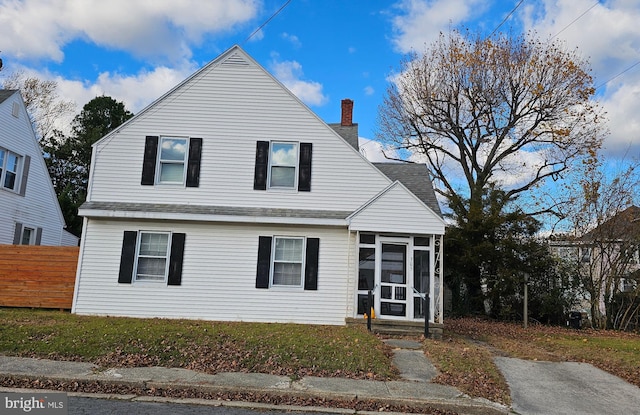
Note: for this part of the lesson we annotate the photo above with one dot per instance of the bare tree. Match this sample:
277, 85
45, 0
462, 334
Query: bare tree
44, 105
483, 111
605, 225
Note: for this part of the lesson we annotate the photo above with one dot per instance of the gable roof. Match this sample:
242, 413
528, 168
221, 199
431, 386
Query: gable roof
623, 226
416, 178
6, 93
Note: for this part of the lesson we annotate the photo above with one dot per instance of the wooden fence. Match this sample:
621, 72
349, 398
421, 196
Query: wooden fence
37, 276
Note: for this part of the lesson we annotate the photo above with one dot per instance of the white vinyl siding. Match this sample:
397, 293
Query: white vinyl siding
218, 276
411, 216
232, 107
38, 207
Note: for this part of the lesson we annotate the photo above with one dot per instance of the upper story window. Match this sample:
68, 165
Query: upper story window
9, 164
283, 165
171, 160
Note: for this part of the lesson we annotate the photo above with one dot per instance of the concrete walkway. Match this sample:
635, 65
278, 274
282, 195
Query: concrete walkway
414, 388
566, 388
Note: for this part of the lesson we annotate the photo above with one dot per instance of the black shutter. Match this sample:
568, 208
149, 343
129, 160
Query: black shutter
149, 161
17, 233
304, 170
193, 165
264, 262
25, 174
38, 236
175, 261
262, 165
311, 264
127, 257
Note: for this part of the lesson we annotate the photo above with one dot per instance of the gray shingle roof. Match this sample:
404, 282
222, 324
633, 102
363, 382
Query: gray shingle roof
6, 93
416, 178
215, 210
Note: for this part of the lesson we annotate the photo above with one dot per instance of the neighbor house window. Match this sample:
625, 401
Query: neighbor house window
287, 262
28, 236
152, 258
9, 163
171, 160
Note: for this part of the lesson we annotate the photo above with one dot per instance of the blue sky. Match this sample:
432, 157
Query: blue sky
323, 50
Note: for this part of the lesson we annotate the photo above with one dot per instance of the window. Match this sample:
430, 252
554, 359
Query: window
171, 160
283, 165
287, 262
153, 251
28, 236
152, 256
9, 163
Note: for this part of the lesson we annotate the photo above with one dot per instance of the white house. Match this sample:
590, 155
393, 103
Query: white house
31, 214
228, 199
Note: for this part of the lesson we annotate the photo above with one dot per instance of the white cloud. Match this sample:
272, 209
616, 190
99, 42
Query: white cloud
41, 28
374, 151
293, 39
608, 34
368, 90
421, 21
290, 74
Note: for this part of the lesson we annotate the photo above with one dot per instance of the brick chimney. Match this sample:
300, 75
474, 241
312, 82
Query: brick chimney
347, 113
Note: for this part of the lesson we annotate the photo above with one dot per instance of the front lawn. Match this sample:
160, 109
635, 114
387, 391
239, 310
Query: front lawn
283, 349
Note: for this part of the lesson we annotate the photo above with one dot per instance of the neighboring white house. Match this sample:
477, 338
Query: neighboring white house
228, 199
31, 214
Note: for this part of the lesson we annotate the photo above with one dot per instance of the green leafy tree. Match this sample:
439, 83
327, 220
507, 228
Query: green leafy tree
491, 114
69, 158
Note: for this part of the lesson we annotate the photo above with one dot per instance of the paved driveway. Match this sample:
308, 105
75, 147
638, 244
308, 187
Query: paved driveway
566, 388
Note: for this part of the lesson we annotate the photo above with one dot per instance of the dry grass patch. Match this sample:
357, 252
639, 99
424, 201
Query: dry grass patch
468, 367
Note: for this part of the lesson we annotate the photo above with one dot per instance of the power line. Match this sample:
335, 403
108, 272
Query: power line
611, 79
267, 21
507, 17
576, 19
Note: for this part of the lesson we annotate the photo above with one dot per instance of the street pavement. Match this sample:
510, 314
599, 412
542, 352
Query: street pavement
414, 388
566, 388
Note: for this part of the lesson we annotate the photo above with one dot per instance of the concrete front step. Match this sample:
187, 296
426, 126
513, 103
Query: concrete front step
395, 327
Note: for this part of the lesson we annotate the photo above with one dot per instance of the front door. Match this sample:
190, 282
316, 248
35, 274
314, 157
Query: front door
393, 280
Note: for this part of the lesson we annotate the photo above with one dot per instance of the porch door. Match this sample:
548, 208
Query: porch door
394, 286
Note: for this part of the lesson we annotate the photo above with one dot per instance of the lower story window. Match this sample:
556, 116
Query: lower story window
28, 236
288, 262
153, 253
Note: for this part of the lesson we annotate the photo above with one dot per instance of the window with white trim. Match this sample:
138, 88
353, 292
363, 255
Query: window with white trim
172, 160
283, 165
288, 262
28, 236
152, 258
9, 164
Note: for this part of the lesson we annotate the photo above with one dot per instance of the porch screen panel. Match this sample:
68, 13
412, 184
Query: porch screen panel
393, 264
366, 268
420, 280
